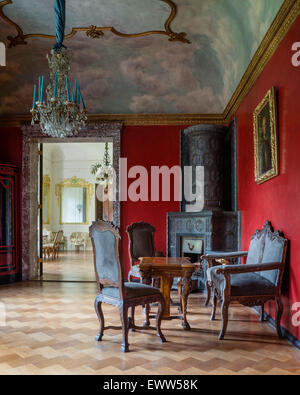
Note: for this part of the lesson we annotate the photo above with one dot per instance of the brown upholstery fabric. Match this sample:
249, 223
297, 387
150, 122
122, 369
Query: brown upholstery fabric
142, 243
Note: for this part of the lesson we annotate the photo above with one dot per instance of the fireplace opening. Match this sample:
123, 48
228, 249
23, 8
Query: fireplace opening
193, 248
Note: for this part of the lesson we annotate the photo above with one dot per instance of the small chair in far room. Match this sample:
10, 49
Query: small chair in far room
111, 285
52, 248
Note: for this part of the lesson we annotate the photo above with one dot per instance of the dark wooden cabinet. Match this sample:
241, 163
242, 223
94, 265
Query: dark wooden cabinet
10, 269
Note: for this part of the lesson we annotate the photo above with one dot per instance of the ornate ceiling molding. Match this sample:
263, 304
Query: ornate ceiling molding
285, 18
94, 31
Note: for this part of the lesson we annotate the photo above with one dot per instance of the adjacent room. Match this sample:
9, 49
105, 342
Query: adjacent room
69, 194
149, 188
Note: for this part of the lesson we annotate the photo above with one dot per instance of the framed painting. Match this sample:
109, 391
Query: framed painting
266, 138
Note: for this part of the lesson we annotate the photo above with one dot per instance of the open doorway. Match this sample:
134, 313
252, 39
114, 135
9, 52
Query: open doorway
70, 203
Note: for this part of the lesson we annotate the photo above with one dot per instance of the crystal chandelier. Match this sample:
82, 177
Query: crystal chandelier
61, 113
104, 171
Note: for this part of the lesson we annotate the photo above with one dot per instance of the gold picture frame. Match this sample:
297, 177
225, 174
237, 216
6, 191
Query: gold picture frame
46, 199
266, 138
74, 182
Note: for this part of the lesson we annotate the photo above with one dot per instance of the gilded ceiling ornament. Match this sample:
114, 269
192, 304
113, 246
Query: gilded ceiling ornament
93, 32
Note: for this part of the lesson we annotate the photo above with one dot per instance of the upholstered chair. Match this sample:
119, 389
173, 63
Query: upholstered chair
253, 283
141, 243
52, 248
111, 285
253, 256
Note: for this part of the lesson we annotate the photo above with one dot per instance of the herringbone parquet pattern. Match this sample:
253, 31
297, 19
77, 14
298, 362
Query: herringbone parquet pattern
50, 329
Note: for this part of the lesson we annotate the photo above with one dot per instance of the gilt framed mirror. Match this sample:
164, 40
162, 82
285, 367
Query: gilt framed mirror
74, 195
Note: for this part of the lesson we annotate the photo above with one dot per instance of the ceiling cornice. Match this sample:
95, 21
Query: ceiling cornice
285, 18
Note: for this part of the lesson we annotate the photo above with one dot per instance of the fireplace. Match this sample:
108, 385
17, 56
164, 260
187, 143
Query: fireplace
217, 227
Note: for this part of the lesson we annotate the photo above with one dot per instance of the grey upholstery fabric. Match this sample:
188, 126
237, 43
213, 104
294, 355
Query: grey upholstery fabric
135, 271
256, 250
142, 243
133, 290
243, 284
106, 262
272, 253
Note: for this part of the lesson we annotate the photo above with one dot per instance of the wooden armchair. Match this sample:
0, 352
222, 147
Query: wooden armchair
52, 248
78, 239
141, 244
254, 283
111, 286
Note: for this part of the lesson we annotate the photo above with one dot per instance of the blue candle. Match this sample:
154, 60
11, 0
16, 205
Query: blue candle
67, 87
73, 97
42, 88
55, 85
34, 95
39, 88
81, 98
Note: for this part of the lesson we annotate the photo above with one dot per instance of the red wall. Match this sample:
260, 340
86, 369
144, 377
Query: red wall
142, 145
11, 146
149, 146
278, 199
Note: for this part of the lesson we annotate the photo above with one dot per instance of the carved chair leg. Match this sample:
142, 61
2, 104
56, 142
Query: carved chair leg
132, 320
262, 313
208, 293
279, 310
225, 306
129, 277
158, 320
214, 307
124, 320
99, 312
146, 323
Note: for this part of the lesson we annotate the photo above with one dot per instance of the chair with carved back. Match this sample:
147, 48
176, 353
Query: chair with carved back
52, 248
253, 283
141, 244
111, 285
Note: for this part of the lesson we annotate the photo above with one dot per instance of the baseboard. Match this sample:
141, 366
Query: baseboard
292, 339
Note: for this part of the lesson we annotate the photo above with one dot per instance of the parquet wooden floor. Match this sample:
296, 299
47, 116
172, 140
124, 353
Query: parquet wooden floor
70, 266
50, 329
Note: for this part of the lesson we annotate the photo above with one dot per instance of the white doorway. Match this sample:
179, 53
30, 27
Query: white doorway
69, 206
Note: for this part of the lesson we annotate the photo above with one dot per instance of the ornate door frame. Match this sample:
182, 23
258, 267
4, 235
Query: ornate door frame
32, 136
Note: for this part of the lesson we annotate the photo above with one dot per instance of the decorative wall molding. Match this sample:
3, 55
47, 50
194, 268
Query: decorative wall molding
285, 18
94, 31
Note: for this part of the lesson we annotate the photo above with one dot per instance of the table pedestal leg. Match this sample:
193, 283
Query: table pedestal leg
186, 286
165, 288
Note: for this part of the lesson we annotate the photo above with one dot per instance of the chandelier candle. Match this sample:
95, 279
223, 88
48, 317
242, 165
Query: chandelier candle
34, 97
67, 87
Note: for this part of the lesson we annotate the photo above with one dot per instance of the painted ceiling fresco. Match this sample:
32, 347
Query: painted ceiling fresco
139, 75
